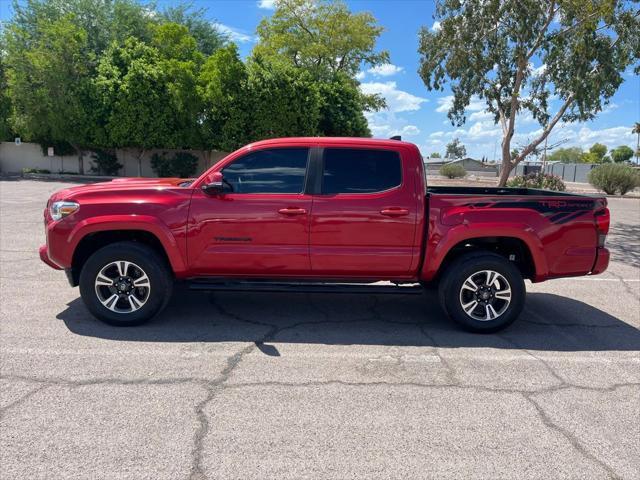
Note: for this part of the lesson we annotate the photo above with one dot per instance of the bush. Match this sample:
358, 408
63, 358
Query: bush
105, 163
182, 165
614, 177
452, 170
35, 170
541, 180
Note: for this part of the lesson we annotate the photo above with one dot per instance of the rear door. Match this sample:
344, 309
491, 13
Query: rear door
260, 225
363, 221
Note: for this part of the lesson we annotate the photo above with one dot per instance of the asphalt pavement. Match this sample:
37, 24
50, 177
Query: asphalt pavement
260, 385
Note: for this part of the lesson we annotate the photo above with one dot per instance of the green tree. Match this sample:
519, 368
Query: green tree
5, 102
435, 155
284, 100
621, 154
321, 36
223, 86
599, 151
49, 84
341, 109
455, 149
139, 98
486, 49
104, 21
596, 154
207, 36
566, 155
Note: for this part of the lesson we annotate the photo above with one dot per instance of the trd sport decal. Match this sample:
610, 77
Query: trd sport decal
558, 211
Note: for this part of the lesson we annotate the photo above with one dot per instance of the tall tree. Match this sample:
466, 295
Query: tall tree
104, 20
621, 154
486, 48
207, 36
49, 84
455, 149
595, 154
226, 105
144, 102
341, 109
5, 102
284, 100
322, 36
567, 155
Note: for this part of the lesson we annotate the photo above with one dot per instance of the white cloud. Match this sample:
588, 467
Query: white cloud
410, 130
235, 34
480, 115
397, 100
360, 76
537, 71
385, 70
445, 103
386, 124
436, 26
610, 107
267, 4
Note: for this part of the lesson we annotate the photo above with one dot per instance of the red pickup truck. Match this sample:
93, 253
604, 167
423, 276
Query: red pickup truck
314, 215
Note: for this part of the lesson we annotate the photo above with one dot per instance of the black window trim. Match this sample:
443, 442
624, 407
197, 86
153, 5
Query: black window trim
320, 170
305, 181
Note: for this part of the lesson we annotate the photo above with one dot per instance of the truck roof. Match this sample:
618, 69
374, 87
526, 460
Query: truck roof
330, 141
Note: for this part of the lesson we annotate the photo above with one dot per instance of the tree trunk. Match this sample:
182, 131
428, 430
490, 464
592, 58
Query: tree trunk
507, 166
140, 162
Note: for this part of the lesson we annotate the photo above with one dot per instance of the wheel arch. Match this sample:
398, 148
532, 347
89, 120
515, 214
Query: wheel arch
93, 241
514, 248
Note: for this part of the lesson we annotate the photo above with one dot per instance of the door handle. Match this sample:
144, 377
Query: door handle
394, 212
292, 211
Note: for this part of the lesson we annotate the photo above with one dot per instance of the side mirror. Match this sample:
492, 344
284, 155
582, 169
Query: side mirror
214, 184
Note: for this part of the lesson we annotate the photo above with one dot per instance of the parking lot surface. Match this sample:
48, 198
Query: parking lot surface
237, 385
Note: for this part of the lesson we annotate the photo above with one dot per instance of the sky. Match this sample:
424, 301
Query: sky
415, 113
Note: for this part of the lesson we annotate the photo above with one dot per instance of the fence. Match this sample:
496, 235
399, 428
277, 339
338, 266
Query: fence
13, 158
569, 172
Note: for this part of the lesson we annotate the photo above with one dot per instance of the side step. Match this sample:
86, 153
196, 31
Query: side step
305, 287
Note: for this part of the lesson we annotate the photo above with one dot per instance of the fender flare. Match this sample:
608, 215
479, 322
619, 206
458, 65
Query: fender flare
437, 250
144, 223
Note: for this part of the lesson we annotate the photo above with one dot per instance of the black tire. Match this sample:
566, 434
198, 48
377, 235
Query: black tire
452, 295
145, 261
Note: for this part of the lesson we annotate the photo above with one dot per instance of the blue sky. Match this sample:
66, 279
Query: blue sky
414, 112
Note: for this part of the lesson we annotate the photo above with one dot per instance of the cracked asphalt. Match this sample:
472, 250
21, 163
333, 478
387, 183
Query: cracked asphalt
230, 385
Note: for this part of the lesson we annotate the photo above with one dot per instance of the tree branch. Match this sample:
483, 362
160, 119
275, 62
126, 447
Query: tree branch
545, 133
543, 30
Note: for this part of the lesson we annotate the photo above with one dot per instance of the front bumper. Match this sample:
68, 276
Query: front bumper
44, 256
602, 261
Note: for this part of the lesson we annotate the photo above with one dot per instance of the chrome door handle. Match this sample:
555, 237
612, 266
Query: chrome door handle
394, 212
292, 211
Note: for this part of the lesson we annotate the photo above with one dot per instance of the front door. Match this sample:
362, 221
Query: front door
260, 224
363, 222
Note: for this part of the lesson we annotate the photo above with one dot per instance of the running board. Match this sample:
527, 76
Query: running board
306, 287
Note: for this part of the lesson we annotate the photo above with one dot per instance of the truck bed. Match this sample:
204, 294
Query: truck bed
500, 191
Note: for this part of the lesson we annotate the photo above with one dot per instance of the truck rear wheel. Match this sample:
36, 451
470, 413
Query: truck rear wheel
483, 292
125, 283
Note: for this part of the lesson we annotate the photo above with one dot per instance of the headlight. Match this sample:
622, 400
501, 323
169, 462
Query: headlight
59, 210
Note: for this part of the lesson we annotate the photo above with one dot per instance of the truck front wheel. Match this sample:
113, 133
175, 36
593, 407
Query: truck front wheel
483, 292
125, 283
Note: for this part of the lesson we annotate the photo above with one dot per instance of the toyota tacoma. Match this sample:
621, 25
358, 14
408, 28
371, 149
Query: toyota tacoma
320, 215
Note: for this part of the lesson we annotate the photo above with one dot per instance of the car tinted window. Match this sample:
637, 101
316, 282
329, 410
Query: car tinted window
349, 170
268, 171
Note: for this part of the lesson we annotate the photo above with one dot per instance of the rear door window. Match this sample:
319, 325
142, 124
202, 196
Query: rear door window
353, 170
